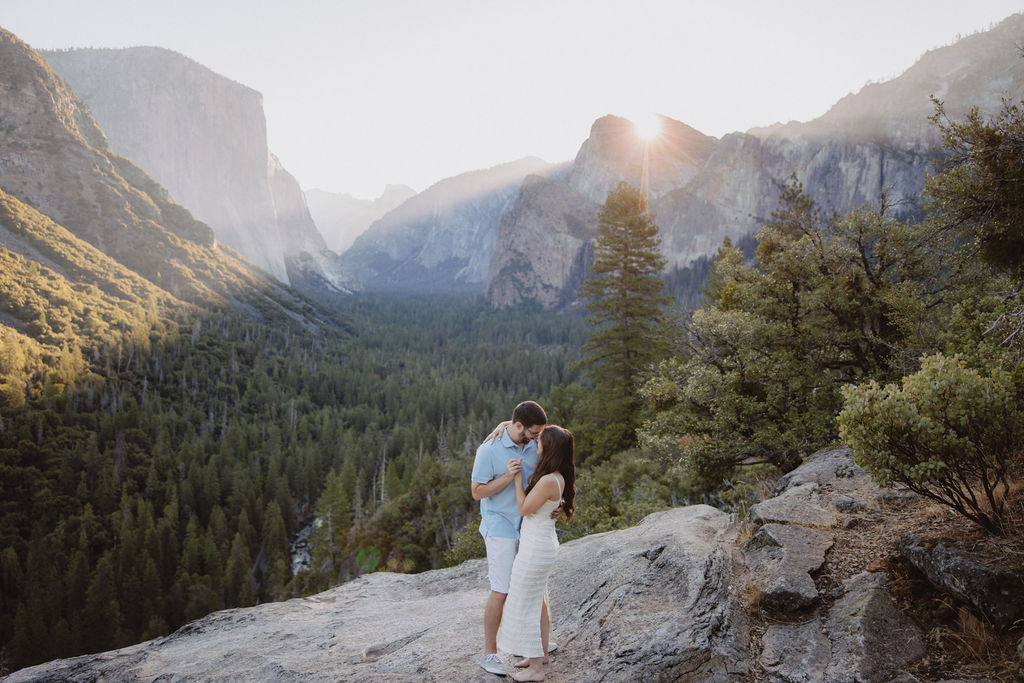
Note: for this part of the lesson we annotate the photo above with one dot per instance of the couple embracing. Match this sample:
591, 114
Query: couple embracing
524, 476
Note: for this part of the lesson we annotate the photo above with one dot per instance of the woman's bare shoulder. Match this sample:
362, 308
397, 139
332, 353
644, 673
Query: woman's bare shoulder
552, 481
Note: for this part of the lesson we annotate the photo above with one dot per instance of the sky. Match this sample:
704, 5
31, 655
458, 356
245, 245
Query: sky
361, 94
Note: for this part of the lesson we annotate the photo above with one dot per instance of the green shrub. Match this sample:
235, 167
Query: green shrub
948, 433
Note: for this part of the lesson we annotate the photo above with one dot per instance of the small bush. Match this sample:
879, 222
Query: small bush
948, 433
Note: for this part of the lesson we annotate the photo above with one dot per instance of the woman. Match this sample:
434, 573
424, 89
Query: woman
553, 482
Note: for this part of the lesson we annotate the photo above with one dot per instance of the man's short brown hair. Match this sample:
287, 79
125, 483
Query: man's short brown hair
529, 414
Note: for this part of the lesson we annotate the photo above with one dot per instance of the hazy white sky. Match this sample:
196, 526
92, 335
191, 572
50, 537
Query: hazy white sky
361, 94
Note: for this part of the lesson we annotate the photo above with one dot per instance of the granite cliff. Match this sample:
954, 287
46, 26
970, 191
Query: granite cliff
702, 190
55, 159
203, 137
689, 594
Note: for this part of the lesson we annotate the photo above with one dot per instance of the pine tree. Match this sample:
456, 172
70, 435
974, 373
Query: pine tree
238, 583
102, 612
627, 304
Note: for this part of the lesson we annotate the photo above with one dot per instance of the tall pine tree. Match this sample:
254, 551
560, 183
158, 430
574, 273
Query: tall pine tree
627, 303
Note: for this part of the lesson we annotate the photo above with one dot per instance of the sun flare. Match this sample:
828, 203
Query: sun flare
647, 126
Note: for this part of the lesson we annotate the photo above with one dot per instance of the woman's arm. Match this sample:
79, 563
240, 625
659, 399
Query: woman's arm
544, 490
497, 431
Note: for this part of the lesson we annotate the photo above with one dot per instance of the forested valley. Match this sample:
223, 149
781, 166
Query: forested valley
164, 480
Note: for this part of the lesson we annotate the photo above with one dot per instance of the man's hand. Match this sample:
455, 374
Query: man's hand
557, 512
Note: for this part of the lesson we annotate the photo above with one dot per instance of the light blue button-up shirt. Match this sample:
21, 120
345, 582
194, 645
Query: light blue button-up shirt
499, 513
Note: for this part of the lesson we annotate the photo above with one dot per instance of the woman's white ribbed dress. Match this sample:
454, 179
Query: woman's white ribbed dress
519, 632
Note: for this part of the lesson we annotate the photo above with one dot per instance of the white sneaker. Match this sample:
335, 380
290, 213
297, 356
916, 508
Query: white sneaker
552, 646
492, 664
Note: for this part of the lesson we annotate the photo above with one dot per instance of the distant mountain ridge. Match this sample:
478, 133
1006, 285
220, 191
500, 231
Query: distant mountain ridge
444, 237
203, 137
523, 231
342, 218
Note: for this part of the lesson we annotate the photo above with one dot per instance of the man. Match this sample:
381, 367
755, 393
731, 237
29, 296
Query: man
497, 461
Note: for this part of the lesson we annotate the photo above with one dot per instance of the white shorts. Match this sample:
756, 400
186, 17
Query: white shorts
501, 553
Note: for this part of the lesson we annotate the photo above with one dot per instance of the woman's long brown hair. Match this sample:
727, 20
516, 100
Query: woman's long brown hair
558, 454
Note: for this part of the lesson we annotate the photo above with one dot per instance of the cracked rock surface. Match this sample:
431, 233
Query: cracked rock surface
654, 602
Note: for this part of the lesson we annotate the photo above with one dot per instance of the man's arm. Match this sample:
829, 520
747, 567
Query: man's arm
498, 483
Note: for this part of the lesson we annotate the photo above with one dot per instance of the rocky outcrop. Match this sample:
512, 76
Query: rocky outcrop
444, 237
994, 590
781, 558
871, 640
656, 602
662, 601
858, 633
204, 138
342, 218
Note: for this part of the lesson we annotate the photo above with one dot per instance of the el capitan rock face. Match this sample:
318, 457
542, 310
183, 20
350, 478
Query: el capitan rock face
204, 138
55, 159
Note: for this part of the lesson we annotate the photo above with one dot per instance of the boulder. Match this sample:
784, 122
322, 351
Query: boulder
834, 467
780, 559
796, 653
804, 504
995, 591
658, 602
848, 503
872, 640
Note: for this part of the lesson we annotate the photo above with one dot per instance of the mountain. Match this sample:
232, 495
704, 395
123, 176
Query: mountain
204, 138
55, 160
542, 251
341, 218
702, 190
614, 152
978, 70
444, 237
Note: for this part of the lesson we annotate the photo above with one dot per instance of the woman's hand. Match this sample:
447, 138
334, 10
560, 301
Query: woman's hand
497, 431
514, 467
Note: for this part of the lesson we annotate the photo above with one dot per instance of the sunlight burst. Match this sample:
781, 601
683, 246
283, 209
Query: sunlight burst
647, 126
